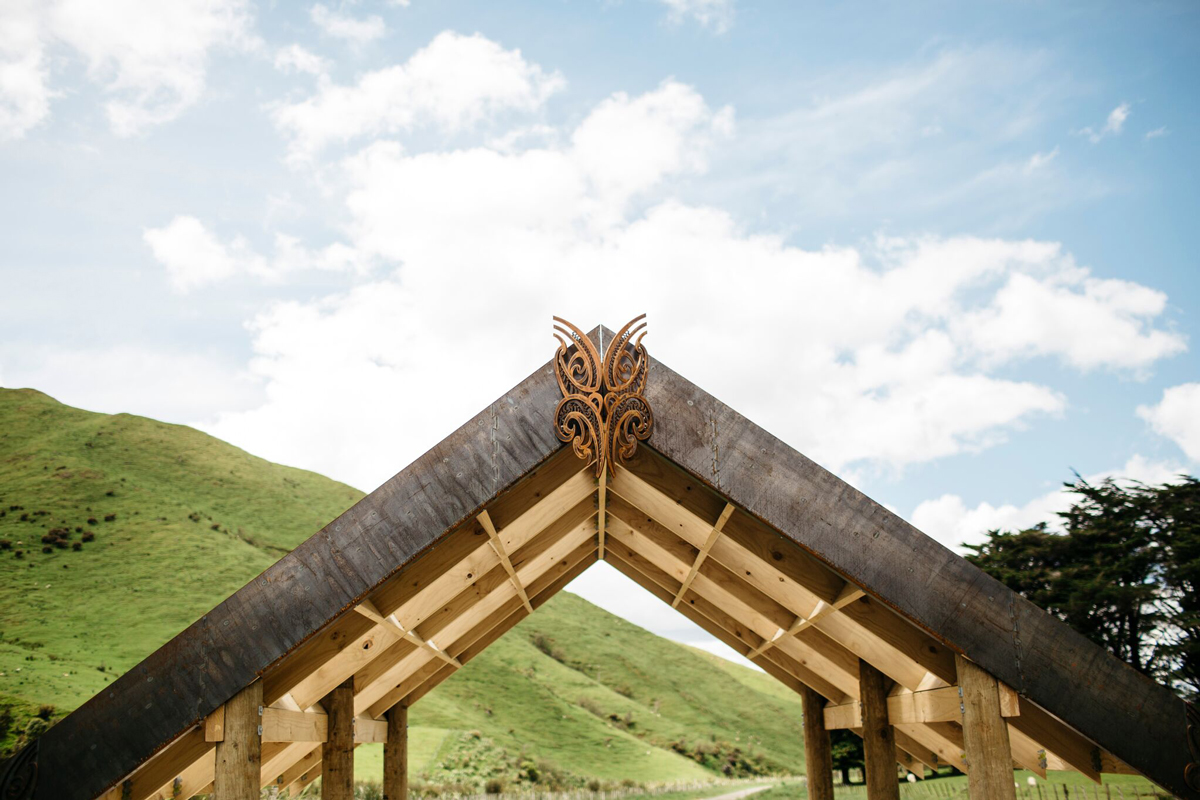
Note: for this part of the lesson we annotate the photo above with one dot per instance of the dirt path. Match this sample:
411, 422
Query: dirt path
740, 793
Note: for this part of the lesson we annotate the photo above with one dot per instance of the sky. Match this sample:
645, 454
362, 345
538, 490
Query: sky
946, 250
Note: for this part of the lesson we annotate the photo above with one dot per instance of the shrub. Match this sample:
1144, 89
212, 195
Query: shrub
48, 539
61, 544
109, 517
76, 546
494, 786
45, 712
88, 536
593, 786
216, 526
47, 549
20, 554
5, 544
24, 517
79, 529
92, 521
110, 493
36, 727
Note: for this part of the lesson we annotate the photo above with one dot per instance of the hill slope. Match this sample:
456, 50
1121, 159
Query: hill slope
572, 690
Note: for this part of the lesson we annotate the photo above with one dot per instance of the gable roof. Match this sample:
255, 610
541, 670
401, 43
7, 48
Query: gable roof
801, 536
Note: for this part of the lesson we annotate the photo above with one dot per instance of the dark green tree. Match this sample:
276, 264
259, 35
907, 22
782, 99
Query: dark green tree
847, 750
1124, 572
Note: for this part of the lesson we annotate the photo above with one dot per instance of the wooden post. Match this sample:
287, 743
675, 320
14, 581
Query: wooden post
818, 756
879, 741
239, 753
395, 754
337, 765
985, 733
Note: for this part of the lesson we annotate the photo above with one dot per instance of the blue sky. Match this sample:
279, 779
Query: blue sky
944, 249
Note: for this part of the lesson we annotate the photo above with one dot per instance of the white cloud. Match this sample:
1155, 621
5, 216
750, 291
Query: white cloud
951, 522
24, 94
1177, 417
1157, 132
172, 386
193, 256
881, 355
295, 58
454, 82
350, 29
150, 57
714, 14
1112, 126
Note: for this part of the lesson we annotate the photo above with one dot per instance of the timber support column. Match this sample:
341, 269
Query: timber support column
239, 753
879, 741
395, 754
337, 761
818, 754
985, 734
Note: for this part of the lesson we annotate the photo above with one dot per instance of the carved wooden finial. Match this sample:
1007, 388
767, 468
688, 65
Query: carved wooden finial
603, 413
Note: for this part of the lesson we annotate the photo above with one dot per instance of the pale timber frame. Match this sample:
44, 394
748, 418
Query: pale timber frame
748, 538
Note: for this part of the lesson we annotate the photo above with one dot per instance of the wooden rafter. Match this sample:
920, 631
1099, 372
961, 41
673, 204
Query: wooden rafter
703, 553
486, 521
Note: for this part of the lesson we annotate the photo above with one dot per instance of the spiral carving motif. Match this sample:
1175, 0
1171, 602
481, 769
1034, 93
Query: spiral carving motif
18, 776
603, 413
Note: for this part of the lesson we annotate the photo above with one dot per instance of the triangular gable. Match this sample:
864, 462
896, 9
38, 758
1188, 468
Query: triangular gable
699, 442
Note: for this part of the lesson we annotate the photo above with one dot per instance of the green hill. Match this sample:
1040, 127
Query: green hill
147, 525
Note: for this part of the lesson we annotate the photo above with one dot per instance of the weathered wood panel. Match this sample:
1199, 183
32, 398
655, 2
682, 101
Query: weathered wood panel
879, 742
239, 753
395, 754
818, 754
1036, 654
228, 648
985, 734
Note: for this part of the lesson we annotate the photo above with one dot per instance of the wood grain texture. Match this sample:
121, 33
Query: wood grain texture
395, 754
879, 742
239, 753
337, 765
953, 601
174, 688
985, 734
818, 754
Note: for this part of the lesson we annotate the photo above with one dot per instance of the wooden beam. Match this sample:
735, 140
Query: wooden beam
395, 754
879, 743
818, 754
601, 518
285, 725
702, 554
214, 725
914, 748
498, 546
985, 734
310, 760
931, 705
337, 763
239, 752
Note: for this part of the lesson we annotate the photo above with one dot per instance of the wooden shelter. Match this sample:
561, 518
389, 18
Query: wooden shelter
878, 627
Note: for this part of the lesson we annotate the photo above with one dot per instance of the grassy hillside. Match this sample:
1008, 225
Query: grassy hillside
149, 525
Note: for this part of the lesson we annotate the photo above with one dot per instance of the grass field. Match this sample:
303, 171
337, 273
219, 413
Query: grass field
1055, 786
571, 692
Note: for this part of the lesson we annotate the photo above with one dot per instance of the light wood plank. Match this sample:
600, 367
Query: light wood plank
703, 553
498, 546
239, 753
985, 734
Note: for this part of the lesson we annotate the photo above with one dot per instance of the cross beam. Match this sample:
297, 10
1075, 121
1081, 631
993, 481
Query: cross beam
703, 553
486, 521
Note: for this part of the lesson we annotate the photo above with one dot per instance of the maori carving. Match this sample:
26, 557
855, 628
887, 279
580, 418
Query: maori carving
19, 775
1191, 774
603, 412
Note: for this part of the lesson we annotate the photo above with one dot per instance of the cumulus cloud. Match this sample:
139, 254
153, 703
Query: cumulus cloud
714, 14
343, 26
151, 58
295, 58
1177, 417
949, 520
172, 386
892, 352
454, 82
193, 256
24, 93
1112, 126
